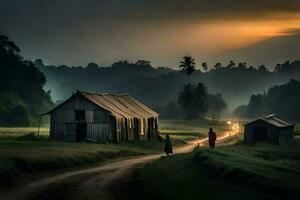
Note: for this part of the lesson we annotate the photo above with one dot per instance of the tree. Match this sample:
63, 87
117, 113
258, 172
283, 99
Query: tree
201, 101
92, 66
216, 105
22, 96
187, 65
8, 45
285, 68
242, 65
231, 64
262, 69
283, 100
193, 100
218, 66
143, 63
205, 66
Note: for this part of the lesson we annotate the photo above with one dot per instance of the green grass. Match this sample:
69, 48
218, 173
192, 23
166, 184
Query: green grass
22, 151
12, 132
23, 156
190, 129
233, 172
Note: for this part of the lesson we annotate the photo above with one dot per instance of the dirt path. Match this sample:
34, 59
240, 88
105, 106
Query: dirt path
91, 183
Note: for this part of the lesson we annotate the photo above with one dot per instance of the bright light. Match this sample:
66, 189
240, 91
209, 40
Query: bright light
235, 128
229, 122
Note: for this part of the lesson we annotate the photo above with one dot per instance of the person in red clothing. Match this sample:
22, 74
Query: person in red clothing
212, 137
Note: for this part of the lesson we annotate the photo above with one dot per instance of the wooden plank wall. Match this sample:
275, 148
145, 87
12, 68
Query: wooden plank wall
63, 124
101, 126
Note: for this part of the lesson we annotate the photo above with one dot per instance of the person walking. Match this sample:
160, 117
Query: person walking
212, 137
168, 146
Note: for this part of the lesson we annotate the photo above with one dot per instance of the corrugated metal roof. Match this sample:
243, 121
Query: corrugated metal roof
120, 105
274, 120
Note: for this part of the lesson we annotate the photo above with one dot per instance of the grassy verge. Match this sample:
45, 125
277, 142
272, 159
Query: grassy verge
234, 172
21, 151
23, 156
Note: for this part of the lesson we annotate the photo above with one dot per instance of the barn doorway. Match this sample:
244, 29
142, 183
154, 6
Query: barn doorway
81, 129
260, 133
80, 115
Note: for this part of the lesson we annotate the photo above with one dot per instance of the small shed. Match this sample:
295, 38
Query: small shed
271, 129
102, 118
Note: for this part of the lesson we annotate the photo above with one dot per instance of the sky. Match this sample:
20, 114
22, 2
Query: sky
76, 32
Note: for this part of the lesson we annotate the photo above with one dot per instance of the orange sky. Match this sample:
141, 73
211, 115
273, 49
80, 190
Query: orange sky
161, 31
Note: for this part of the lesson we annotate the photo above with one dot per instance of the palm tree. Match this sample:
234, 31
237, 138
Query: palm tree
187, 65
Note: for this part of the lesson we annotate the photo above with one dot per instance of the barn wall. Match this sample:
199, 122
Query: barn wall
275, 135
63, 124
286, 136
248, 134
272, 132
101, 126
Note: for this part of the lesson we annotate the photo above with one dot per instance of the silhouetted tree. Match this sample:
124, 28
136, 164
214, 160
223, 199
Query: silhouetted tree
285, 68
218, 66
262, 69
193, 100
144, 63
205, 66
8, 45
216, 105
92, 66
187, 65
283, 100
242, 65
22, 97
231, 64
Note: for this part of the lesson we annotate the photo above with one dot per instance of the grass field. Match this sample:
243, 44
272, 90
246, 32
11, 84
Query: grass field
21, 156
190, 129
262, 171
21, 151
13, 132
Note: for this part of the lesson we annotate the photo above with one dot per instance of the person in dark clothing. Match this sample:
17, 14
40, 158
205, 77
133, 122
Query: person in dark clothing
168, 146
212, 137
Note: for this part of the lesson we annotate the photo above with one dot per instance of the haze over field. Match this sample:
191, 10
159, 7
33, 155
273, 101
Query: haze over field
74, 33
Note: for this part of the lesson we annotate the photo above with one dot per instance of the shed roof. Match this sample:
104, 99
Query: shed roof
274, 120
119, 105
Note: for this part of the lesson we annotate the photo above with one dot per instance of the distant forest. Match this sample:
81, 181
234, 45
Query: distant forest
160, 87
283, 100
28, 89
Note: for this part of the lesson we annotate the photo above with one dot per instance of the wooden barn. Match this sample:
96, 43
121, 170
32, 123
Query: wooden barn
102, 117
271, 129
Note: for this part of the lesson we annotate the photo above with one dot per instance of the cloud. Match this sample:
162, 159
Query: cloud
75, 32
268, 52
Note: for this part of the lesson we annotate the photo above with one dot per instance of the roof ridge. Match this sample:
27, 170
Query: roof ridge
104, 93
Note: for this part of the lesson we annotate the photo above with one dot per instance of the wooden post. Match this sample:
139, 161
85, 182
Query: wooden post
38, 134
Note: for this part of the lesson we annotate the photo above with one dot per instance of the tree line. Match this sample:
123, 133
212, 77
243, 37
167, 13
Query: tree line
163, 89
282, 99
22, 97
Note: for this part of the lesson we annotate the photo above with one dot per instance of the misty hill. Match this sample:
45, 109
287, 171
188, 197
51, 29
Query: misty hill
283, 100
22, 97
160, 86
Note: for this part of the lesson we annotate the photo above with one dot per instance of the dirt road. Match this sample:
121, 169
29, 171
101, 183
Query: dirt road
91, 183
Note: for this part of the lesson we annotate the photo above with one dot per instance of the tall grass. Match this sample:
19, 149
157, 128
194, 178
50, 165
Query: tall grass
239, 171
